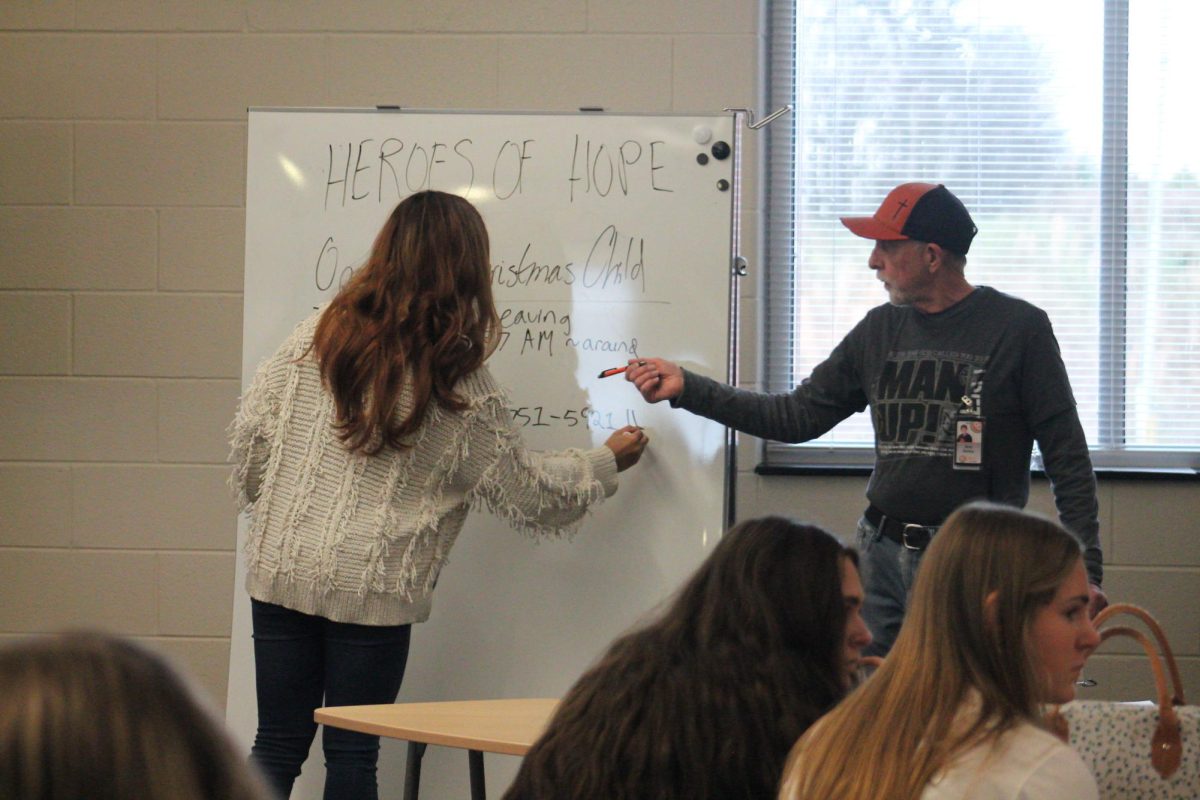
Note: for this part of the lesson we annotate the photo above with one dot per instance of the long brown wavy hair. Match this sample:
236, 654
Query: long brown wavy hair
899, 729
704, 702
416, 317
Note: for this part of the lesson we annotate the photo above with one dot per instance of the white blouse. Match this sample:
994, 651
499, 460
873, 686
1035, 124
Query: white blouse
1026, 763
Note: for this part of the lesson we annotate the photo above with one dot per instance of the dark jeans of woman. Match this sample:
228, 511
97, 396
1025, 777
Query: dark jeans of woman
303, 662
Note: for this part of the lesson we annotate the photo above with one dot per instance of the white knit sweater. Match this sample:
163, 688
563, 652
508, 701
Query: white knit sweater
362, 539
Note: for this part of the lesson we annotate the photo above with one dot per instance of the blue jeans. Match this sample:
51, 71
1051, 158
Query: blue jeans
888, 570
302, 662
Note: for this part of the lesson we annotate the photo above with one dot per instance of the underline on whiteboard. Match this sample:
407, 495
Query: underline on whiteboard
594, 302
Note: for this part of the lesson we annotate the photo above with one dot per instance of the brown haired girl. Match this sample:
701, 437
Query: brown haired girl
704, 702
92, 715
361, 445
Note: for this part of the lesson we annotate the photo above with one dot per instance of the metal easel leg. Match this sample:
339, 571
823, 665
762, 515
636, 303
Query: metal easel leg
475, 762
412, 770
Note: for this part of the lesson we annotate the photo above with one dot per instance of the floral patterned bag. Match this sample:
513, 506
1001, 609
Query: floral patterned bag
1138, 750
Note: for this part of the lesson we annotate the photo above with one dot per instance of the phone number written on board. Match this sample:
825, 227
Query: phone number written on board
590, 418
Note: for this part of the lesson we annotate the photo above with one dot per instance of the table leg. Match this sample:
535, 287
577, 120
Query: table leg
475, 762
412, 770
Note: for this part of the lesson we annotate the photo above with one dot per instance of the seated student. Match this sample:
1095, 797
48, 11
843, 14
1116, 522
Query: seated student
86, 715
705, 700
998, 626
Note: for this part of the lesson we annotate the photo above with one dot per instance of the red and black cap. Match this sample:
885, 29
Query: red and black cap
927, 212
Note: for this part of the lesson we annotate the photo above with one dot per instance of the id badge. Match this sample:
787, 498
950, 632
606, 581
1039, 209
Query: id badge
968, 443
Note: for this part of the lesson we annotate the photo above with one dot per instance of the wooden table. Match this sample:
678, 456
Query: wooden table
478, 726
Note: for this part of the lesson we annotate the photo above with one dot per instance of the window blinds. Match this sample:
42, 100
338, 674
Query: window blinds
1070, 152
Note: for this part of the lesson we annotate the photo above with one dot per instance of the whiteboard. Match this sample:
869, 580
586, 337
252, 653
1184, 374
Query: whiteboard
610, 237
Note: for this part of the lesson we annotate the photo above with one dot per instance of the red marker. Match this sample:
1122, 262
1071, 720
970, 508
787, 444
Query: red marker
608, 373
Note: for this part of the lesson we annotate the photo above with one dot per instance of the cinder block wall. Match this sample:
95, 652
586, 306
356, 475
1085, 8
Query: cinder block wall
122, 187
122, 160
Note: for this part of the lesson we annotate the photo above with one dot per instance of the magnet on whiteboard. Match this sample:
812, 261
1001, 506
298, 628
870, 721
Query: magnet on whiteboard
702, 134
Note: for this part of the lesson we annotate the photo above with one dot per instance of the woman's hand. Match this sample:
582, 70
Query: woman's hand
627, 445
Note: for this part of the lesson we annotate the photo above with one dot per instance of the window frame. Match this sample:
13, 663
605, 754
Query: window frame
1109, 454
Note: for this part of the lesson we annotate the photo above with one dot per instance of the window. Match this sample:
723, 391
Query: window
1068, 130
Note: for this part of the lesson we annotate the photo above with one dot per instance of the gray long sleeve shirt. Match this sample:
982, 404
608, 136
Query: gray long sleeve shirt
915, 370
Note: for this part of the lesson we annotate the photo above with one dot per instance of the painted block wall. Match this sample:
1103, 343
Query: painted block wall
122, 158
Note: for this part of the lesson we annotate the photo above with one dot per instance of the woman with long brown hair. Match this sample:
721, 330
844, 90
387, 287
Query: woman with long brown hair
704, 701
998, 626
360, 447
91, 715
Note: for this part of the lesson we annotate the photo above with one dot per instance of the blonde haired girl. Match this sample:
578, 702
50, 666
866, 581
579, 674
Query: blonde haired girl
998, 626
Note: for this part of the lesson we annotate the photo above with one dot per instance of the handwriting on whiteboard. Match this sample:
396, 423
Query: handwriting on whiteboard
389, 169
586, 416
614, 260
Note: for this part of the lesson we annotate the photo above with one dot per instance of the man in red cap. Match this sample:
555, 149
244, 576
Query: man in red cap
940, 355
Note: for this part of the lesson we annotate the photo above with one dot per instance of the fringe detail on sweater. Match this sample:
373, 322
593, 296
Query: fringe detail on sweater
329, 525
265, 419
493, 491
387, 519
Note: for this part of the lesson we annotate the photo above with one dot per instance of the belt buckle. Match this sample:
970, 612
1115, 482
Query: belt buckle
922, 528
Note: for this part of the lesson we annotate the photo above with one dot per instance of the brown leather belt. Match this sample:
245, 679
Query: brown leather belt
907, 534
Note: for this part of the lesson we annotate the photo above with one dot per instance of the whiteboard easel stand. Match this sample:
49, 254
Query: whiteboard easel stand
609, 581
736, 272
